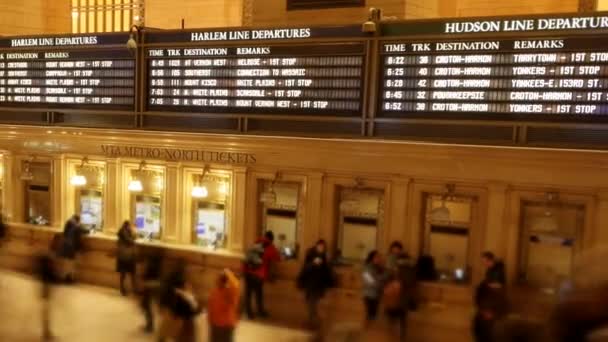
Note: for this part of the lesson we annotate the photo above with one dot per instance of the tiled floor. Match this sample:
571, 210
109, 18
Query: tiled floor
87, 314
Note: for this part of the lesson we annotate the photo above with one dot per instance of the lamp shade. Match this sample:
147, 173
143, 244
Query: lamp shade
135, 185
268, 197
78, 180
440, 213
200, 192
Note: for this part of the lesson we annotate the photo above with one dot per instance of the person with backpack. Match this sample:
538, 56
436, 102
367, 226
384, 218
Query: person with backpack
258, 266
315, 278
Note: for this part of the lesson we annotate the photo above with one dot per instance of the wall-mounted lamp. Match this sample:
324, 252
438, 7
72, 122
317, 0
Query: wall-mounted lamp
201, 191
352, 204
132, 42
443, 213
26, 174
79, 179
135, 184
269, 196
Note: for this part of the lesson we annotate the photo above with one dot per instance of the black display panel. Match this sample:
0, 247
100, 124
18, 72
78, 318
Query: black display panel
264, 79
88, 72
257, 71
540, 75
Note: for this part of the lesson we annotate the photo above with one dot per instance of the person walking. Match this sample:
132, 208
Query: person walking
151, 287
315, 278
71, 246
395, 253
46, 271
222, 311
179, 307
258, 268
399, 295
490, 299
125, 258
374, 277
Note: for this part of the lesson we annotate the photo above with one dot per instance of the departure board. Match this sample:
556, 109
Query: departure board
67, 72
291, 77
547, 76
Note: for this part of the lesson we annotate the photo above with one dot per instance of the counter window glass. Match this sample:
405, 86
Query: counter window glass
280, 208
447, 237
361, 211
146, 188
88, 183
550, 236
36, 177
211, 202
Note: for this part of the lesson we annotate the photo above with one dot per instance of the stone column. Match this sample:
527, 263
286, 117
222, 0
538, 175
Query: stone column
59, 211
397, 227
312, 210
236, 237
495, 232
172, 231
113, 197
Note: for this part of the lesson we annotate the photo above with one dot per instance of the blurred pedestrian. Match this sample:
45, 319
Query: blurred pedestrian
490, 299
395, 252
125, 258
315, 278
223, 305
179, 307
47, 274
399, 295
151, 287
258, 267
374, 278
71, 246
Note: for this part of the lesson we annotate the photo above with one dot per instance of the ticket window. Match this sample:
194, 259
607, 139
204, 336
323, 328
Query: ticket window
36, 177
88, 181
360, 220
447, 236
211, 198
549, 241
280, 207
146, 188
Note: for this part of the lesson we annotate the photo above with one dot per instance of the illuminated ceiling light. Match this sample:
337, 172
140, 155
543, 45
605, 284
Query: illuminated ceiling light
135, 185
78, 180
200, 192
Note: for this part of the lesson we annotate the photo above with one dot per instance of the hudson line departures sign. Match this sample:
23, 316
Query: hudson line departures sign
228, 72
556, 66
84, 71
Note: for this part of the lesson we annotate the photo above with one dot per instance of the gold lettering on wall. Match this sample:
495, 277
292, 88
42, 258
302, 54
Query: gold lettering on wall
174, 154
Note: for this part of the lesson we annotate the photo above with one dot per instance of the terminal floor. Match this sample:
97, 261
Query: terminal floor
91, 314
87, 313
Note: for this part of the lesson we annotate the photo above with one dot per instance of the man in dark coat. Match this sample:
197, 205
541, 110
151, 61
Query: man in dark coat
125, 259
72, 243
315, 278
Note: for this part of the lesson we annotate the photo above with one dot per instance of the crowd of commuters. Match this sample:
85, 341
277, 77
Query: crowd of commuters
388, 289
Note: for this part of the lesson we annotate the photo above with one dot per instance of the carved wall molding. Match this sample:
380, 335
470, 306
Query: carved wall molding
587, 5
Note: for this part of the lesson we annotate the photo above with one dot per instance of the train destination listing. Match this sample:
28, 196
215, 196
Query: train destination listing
530, 76
304, 79
101, 78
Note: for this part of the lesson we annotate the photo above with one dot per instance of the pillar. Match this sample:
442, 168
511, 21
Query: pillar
312, 210
237, 238
495, 231
59, 179
113, 200
172, 230
397, 228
